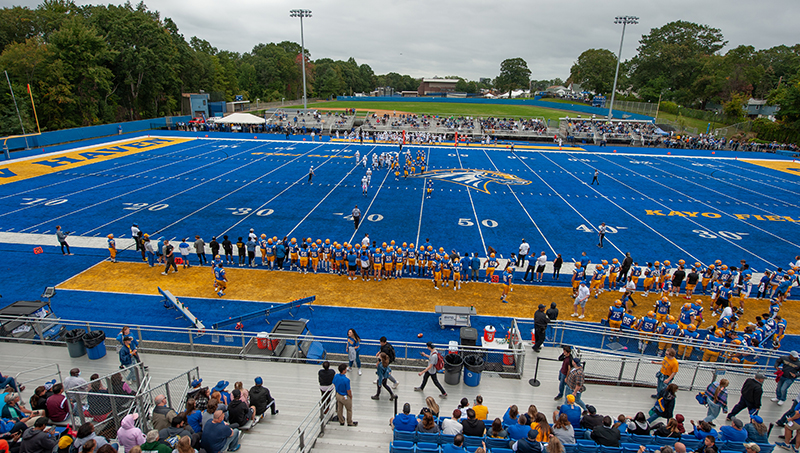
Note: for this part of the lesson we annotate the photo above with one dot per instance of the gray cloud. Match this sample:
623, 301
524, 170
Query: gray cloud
468, 38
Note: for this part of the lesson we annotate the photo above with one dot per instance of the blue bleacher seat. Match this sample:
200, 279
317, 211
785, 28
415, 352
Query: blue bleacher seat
731, 446
652, 447
629, 447
579, 432
586, 446
446, 439
604, 449
766, 448
401, 446
501, 450
570, 448
665, 440
405, 436
473, 441
427, 447
624, 437
492, 443
727, 451
472, 449
642, 440
428, 437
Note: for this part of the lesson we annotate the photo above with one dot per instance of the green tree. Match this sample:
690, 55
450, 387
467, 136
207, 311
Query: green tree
594, 70
514, 74
17, 24
787, 97
671, 58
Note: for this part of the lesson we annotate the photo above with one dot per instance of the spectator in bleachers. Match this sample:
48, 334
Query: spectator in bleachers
456, 447
639, 425
703, 430
128, 434
217, 435
556, 446
756, 430
225, 396
57, 405
427, 424
37, 440
12, 410
752, 447
497, 431
38, 400
194, 416
177, 430
199, 394
8, 381
481, 411
463, 405
208, 414
86, 433
665, 404
261, 398
472, 426
605, 434
238, 411
511, 415
621, 424
540, 424
153, 445
75, 381
452, 426
519, 430
565, 358
563, 430
668, 430
162, 415
591, 419
404, 421
571, 410
527, 444
431, 406
733, 433
709, 445
243, 391
531, 415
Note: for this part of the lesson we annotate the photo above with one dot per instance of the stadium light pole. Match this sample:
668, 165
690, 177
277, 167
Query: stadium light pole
624, 20
301, 13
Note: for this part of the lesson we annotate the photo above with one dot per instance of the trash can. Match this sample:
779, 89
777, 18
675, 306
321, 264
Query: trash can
469, 336
452, 369
74, 339
473, 366
262, 339
95, 342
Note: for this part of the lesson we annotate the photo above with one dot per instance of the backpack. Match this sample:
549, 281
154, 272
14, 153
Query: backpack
172, 441
390, 352
439, 361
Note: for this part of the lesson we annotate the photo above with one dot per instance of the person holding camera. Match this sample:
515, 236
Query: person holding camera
62, 239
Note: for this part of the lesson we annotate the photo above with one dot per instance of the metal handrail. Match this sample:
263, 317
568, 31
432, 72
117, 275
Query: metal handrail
312, 426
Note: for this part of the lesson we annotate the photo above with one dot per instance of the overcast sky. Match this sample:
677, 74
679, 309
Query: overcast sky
467, 38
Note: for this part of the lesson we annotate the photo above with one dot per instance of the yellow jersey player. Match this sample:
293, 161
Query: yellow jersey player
112, 248
262, 244
615, 314
314, 254
220, 279
446, 270
411, 260
456, 273
270, 250
491, 265
303, 256
577, 278
327, 256
437, 272
613, 272
506, 282
294, 251
597, 280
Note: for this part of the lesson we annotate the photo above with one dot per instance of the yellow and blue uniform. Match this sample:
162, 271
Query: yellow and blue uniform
577, 276
648, 278
597, 281
445, 270
270, 250
303, 255
713, 349
339, 258
647, 326
112, 248
377, 263
262, 244
613, 271
615, 315
668, 329
314, 258
708, 275
662, 310
698, 312
220, 280
437, 271
491, 265
686, 317
629, 322
636, 272
456, 271
689, 335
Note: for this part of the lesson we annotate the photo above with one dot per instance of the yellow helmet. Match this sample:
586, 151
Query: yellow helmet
390, 249
263, 236
681, 262
698, 264
441, 249
392, 242
698, 302
313, 245
378, 250
338, 246
310, 240
383, 245
421, 248
349, 246
615, 261
274, 238
670, 318
430, 248
711, 267
411, 245
719, 333
319, 241
346, 244
737, 341
492, 255
269, 241
657, 263
327, 241
650, 314
446, 256
294, 241
617, 303
666, 263
692, 327
724, 267
687, 305
718, 262
605, 262
358, 245
111, 236
399, 249
406, 245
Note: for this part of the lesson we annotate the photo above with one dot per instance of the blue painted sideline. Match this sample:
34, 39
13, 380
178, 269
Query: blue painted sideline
83, 133
584, 109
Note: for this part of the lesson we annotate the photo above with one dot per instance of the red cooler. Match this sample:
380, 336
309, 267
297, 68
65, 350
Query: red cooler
488, 334
262, 340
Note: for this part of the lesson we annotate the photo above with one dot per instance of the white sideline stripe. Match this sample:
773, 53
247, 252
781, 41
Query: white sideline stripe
326, 195
474, 212
761, 173
686, 218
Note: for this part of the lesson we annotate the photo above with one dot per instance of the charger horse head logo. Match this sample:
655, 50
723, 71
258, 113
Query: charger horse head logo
476, 179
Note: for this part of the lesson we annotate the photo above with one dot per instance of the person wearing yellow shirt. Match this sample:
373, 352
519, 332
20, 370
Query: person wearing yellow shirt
669, 368
481, 411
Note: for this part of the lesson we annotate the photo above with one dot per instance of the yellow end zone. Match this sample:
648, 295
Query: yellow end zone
43, 165
780, 165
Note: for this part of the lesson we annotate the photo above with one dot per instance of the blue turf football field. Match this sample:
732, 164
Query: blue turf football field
658, 207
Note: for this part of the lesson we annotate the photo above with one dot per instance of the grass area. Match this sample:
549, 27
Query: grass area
442, 108
701, 125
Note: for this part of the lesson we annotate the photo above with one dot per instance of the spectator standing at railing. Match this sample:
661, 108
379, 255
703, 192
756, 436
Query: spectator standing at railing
575, 382
789, 366
540, 321
566, 359
669, 368
344, 396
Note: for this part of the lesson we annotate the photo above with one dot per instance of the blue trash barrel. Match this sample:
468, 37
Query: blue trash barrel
473, 366
95, 344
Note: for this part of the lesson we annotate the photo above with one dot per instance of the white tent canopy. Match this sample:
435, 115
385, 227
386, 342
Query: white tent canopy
241, 118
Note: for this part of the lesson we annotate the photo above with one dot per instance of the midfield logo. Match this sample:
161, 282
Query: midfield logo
476, 179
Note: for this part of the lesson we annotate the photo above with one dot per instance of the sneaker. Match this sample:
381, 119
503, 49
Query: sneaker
443, 395
395, 385
375, 381
417, 389
237, 447
359, 371
393, 398
558, 397
375, 397
780, 403
783, 445
581, 317
574, 314
774, 400
163, 273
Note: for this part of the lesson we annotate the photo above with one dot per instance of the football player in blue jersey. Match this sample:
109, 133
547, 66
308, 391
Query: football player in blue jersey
220, 279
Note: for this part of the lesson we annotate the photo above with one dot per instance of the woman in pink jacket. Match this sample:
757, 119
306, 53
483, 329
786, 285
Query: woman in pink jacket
128, 434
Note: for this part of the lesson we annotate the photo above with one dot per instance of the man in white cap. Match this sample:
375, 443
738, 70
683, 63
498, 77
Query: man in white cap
580, 300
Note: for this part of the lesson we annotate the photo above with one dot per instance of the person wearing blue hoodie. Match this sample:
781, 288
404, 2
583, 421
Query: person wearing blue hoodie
404, 421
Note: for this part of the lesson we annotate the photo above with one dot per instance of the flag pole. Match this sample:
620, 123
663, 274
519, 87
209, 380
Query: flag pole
34, 110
